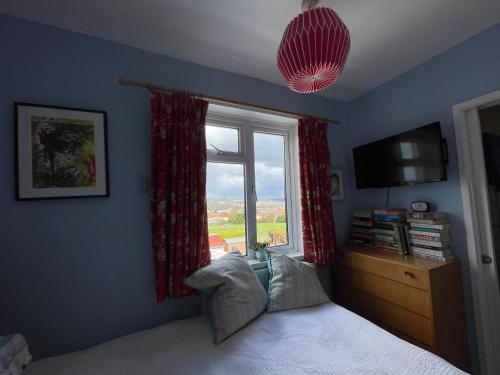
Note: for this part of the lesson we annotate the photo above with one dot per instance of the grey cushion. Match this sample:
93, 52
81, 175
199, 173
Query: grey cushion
239, 296
292, 283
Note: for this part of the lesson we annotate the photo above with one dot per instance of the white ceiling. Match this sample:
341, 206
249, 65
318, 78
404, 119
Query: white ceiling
388, 37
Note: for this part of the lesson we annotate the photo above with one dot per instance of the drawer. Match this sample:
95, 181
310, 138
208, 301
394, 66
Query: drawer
376, 309
397, 272
403, 295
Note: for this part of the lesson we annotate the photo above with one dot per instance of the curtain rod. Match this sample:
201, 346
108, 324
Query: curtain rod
229, 102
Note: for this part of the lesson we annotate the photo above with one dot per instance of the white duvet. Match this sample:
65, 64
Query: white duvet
326, 339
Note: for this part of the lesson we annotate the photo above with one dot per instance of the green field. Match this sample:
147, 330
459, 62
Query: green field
238, 230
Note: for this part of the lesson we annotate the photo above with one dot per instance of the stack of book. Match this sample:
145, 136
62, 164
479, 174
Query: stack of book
430, 235
389, 231
362, 223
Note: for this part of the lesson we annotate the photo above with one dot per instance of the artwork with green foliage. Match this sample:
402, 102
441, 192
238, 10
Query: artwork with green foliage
63, 152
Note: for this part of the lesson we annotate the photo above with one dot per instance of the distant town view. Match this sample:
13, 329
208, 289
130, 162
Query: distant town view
226, 224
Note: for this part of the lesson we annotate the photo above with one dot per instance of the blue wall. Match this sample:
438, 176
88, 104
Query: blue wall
77, 272
419, 97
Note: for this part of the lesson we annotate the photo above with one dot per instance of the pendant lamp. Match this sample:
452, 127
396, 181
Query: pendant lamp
313, 49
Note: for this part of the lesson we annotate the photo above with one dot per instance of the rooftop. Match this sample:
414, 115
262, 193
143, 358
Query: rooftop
215, 241
235, 240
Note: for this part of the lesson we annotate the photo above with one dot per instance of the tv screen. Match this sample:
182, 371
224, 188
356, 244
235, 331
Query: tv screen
408, 158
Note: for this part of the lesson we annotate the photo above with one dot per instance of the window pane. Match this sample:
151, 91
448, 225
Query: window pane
270, 189
226, 208
224, 139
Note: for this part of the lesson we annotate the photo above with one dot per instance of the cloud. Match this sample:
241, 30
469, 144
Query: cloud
225, 180
225, 139
269, 180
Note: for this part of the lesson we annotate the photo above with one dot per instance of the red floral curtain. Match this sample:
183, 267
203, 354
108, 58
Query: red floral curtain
178, 202
318, 229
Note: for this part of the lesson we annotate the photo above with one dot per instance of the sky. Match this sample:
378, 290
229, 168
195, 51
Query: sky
227, 180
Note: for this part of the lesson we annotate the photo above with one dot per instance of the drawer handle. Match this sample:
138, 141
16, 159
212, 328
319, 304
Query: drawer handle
410, 274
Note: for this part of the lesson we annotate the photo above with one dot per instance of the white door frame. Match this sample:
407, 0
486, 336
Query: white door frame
478, 230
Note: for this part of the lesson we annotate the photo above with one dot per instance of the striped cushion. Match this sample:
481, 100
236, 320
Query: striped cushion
292, 283
239, 296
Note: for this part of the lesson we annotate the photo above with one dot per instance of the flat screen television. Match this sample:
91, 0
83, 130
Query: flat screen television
408, 158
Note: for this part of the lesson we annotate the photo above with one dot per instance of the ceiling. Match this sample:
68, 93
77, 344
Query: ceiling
388, 37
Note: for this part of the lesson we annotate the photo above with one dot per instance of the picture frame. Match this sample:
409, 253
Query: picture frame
60, 152
337, 184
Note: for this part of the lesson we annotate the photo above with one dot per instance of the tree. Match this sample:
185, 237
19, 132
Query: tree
237, 217
266, 219
281, 219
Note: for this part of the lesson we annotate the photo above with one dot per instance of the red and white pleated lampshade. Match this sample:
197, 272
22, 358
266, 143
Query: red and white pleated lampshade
314, 49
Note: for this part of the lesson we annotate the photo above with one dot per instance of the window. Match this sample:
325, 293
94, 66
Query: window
270, 186
226, 208
251, 181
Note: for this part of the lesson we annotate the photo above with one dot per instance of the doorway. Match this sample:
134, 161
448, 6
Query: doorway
477, 154
490, 127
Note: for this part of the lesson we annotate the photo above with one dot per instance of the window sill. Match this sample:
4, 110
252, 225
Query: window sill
257, 264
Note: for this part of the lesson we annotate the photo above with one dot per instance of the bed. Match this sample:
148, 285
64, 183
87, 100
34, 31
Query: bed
325, 339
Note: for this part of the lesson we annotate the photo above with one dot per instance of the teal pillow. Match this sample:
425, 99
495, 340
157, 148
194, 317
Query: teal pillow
263, 276
208, 292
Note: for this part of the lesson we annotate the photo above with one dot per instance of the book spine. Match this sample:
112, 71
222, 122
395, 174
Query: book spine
388, 237
429, 243
430, 232
399, 240
407, 239
361, 216
428, 247
385, 226
425, 237
389, 212
388, 219
429, 226
362, 223
425, 221
420, 250
383, 231
385, 249
427, 215
361, 229
361, 237
355, 242
442, 259
384, 244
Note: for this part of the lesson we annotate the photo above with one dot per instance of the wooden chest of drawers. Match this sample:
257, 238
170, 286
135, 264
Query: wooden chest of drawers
417, 299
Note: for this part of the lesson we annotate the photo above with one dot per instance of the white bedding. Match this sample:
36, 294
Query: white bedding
326, 339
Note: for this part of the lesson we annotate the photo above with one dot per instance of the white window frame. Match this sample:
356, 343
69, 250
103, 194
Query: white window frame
247, 126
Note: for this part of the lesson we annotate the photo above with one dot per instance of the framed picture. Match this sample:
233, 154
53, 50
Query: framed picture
337, 183
60, 152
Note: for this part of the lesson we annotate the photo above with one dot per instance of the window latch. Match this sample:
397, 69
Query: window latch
219, 151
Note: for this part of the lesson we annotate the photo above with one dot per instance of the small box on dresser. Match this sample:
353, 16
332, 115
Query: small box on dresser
417, 299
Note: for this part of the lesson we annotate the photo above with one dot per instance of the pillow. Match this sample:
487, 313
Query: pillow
292, 283
14, 354
239, 296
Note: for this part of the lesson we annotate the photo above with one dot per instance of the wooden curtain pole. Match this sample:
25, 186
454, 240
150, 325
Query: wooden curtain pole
229, 102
